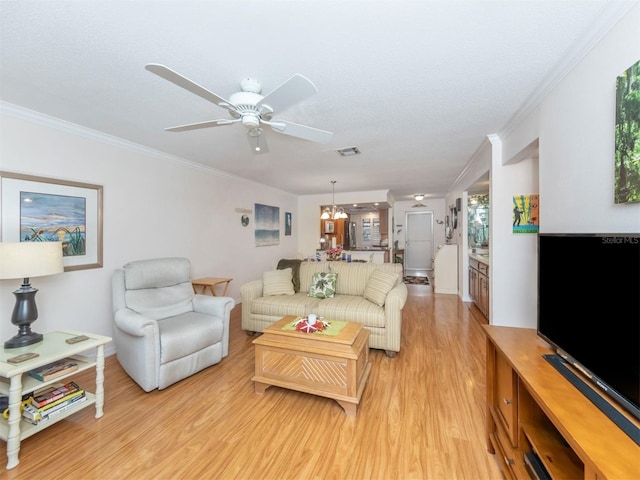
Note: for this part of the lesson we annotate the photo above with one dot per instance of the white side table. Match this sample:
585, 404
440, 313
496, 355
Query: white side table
15, 382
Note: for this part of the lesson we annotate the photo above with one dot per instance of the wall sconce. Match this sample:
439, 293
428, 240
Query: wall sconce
418, 197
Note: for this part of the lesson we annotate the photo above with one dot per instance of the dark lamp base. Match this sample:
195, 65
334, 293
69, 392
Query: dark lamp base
25, 312
21, 340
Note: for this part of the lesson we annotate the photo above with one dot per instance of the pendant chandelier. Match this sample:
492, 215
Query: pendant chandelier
333, 213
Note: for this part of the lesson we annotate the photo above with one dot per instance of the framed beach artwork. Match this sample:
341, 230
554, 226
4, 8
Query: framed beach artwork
40, 209
267, 230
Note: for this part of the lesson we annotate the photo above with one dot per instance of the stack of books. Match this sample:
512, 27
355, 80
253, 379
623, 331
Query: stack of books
52, 401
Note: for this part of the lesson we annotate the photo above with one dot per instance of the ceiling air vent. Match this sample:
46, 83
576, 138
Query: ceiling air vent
346, 152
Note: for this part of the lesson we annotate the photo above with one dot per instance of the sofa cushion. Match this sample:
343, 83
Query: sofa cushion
277, 282
324, 285
378, 285
307, 269
352, 308
352, 277
294, 264
299, 304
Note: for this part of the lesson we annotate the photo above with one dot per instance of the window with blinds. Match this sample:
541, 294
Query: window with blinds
371, 231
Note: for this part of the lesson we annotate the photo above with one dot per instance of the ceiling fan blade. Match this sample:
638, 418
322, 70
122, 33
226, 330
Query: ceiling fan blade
301, 131
257, 141
294, 90
177, 79
196, 126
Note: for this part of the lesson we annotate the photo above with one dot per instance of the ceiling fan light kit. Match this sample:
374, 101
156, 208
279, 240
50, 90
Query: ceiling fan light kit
250, 121
250, 108
256, 133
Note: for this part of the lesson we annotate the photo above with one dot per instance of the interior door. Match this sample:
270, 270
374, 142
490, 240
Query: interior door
418, 250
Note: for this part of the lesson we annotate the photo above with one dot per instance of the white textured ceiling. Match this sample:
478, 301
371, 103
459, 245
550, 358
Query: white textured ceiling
415, 85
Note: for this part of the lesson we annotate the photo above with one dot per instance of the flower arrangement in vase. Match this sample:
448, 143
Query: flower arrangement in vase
333, 253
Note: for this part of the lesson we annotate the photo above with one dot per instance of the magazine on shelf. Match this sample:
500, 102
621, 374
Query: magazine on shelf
52, 393
55, 369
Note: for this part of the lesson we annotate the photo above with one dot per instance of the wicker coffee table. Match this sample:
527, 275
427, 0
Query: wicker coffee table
332, 366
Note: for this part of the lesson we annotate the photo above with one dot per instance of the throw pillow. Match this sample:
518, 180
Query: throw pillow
277, 282
323, 285
378, 285
295, 269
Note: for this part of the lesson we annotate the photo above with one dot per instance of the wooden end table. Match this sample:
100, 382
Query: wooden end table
15, 382
210, 282
335, 367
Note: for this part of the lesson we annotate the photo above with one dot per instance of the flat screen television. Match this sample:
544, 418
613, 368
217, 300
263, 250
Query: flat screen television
589, 308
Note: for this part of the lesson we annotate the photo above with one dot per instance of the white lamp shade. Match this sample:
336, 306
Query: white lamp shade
30, 259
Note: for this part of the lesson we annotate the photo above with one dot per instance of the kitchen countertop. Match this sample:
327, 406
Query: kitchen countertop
480, 257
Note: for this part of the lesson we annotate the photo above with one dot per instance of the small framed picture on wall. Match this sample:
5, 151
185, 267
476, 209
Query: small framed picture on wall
328, 226
287, 223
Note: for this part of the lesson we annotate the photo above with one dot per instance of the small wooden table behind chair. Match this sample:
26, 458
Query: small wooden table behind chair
210, 282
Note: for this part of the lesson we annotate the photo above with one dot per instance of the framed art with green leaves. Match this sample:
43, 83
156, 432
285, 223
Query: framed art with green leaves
627, 136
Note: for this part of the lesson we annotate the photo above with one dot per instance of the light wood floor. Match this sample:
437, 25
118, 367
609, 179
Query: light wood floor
421, 417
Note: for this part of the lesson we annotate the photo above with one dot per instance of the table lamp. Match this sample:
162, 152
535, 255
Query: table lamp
25, 260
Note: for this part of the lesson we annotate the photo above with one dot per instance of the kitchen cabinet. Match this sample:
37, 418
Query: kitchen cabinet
479, 283
384, 226
331, 229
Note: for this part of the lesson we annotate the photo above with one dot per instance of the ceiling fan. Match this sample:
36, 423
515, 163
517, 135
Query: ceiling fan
250, 108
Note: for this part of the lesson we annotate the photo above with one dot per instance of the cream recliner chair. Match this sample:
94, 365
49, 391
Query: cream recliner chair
163, 331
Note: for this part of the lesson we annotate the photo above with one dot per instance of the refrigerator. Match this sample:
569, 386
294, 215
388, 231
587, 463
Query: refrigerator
350, 235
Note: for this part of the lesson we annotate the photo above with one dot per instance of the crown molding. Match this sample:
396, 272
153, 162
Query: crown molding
611, 15
38, 118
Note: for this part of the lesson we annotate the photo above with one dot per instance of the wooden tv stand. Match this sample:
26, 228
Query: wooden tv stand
531, 407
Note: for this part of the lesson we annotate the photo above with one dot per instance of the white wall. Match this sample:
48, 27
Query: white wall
479, 164
574, 126
154, 206
514, 256
435, 205
577, 140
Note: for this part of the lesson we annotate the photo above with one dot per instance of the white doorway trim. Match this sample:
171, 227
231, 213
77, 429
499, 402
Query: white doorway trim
418, 249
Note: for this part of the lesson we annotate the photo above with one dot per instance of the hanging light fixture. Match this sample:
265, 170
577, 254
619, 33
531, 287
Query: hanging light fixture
335, 212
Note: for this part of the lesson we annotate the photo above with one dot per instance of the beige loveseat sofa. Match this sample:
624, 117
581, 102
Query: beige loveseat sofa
367, 293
